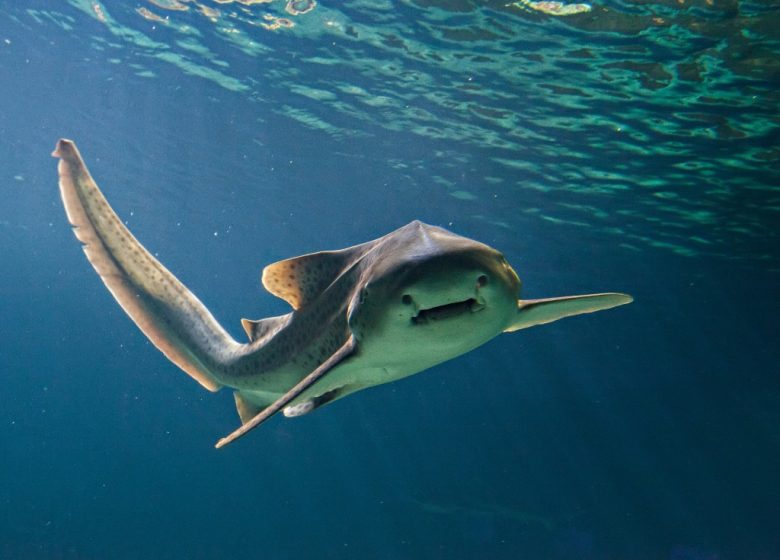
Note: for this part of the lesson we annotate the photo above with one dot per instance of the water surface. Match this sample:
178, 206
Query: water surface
630, 147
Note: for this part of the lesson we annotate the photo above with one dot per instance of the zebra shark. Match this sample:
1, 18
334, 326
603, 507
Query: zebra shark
362, 316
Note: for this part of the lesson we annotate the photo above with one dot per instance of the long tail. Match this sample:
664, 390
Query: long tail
176, 322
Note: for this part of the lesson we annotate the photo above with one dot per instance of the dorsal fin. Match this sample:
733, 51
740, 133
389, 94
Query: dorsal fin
300, 280
260, 328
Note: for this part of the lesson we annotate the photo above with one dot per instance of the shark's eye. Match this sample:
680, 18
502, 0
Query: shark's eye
482, 280
406, 299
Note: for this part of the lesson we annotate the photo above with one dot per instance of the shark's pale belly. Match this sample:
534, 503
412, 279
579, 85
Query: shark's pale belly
391, 357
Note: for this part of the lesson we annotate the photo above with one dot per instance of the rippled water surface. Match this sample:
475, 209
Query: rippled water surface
620, 145
643, 104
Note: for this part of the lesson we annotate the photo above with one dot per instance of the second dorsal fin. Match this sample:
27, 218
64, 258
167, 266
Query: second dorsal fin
262, 327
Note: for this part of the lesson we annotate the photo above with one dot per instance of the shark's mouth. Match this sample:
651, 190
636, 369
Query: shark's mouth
447, 311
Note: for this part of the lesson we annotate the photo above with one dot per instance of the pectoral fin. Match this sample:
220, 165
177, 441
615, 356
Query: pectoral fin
346, 350
532, 312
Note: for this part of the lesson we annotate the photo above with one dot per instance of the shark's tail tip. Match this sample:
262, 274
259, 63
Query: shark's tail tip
64, 148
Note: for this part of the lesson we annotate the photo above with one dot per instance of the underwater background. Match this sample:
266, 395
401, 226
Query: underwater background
623, 145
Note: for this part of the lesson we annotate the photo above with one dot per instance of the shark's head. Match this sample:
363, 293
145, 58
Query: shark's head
429, 289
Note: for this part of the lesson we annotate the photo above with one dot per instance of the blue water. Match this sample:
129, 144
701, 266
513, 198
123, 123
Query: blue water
632, 148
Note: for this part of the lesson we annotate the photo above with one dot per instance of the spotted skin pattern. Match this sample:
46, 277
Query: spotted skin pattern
362, 316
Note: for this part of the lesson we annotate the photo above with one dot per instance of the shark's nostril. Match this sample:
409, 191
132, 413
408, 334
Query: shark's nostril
482, 280
406, 299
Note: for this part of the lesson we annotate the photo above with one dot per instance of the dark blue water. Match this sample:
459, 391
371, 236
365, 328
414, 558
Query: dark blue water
631, 148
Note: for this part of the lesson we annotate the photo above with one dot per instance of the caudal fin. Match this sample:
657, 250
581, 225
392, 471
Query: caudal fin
173, 319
